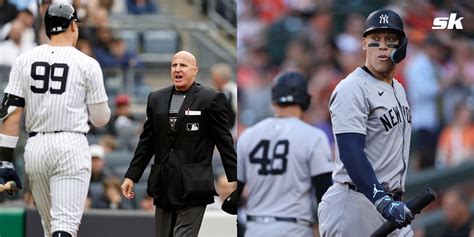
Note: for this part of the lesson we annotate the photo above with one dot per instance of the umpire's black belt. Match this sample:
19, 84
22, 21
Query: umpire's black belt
395, 195
267, 219
32, 134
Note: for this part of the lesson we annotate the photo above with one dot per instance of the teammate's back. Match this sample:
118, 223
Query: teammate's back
280, 157
281, 160
57, 83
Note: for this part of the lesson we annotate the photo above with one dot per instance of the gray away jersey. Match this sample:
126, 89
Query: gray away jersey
276, 159
363, 104
57, 83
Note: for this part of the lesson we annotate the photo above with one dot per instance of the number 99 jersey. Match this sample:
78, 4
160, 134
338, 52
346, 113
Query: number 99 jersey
57, 82
276, 159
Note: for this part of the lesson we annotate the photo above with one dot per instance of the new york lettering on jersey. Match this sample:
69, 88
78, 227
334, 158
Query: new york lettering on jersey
394, 116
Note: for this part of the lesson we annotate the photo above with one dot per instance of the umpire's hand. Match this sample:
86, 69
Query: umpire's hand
127, 189
394, 211
7, 174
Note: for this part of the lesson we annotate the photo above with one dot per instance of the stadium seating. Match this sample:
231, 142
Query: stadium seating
118, 158
132, 38
161, 41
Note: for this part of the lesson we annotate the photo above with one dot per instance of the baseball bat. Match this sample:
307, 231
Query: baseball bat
415, 205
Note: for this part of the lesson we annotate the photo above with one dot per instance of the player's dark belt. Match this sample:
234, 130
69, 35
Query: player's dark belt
32, 134
395, 195
267, 219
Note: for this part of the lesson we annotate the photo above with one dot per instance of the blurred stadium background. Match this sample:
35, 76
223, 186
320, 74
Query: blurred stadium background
322, 39
133, 40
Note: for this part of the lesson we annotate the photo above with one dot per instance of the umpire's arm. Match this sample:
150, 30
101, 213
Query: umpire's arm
222, 136
145, 148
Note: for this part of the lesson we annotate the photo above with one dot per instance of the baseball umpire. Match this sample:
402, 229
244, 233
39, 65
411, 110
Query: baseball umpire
282, 160
60, 88
372, 124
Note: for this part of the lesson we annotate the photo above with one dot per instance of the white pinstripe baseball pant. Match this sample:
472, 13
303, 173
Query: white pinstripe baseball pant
58, 166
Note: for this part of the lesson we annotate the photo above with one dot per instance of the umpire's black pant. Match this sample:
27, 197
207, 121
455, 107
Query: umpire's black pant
179, 222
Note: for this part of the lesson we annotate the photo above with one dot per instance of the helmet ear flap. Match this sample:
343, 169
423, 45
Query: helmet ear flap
306, 102
399, 54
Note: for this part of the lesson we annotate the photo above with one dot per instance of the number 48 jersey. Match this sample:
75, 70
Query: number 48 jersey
276, 159
57, 82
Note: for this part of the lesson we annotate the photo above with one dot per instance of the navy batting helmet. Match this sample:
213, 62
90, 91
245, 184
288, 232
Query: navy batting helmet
291, 88
388, 19
58, 17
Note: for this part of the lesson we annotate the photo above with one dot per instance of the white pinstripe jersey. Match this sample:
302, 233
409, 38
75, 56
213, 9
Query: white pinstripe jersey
57, 82
276, 159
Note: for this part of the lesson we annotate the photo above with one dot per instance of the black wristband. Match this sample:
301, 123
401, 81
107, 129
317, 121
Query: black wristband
6, 153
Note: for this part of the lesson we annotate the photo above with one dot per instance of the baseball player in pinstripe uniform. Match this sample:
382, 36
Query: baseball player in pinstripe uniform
372, 125
280, 160
60, 88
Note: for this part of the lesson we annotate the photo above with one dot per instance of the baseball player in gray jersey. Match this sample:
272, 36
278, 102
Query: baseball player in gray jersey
372, 124
60, 88
280, 160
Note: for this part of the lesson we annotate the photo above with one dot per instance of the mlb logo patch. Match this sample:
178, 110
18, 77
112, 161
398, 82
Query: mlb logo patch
192, 127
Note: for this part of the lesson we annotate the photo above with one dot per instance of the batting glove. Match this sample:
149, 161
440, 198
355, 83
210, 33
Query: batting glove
8, 173
394, 211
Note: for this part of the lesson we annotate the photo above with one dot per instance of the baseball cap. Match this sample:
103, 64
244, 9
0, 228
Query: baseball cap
122, 100
97, 151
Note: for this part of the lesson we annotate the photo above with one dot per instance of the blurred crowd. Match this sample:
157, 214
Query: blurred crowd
323, 40
112, 146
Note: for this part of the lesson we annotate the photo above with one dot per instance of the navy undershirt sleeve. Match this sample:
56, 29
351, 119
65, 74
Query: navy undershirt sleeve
351, 151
